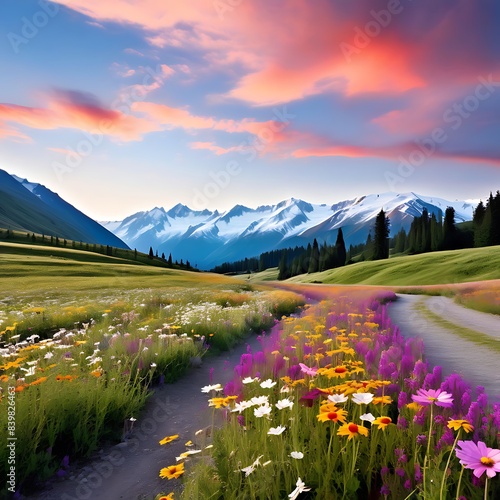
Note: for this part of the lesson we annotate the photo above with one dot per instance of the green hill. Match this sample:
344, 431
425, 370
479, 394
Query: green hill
455, 266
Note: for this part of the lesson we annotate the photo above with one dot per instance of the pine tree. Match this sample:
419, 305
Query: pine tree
449, 230
340, 250
283, 273
314, 258
381, 239
151, 254
169, 262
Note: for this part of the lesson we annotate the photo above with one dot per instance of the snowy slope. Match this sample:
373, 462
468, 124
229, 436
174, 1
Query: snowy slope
209, 238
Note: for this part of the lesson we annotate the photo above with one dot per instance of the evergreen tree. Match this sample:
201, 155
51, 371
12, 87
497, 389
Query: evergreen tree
162, 256
449, 230
135, 253
340, 250
367, 254
381, 239
283, 273
314, 258
151, 254
400, 241
169, 262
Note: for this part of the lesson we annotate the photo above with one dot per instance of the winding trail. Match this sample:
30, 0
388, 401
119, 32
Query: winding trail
130, 470
464, 343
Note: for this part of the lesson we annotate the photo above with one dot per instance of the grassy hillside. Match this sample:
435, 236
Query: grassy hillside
456, 266
32, 269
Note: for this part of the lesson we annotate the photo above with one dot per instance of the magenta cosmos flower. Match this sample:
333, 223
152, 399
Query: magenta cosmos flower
431, 396
479, 458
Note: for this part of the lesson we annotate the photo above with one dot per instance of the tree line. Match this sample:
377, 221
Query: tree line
430, 233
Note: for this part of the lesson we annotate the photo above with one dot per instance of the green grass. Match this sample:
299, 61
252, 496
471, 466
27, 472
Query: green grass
270, 274
34, 269
456, 266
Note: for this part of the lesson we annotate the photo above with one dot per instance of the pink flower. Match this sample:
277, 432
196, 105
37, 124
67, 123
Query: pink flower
308, 371
478, 457
431, 396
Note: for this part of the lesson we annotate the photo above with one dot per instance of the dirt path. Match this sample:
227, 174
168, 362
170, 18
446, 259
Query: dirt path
130, 470
477, 364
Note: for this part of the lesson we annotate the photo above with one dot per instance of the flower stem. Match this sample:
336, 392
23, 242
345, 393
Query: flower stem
443, 481
459, 483
428, 450
486, 489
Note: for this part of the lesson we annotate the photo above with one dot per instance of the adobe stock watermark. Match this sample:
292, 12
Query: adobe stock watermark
11, 439
453, 118
363, 35
30, 27
75, 155
222, 7
251, 148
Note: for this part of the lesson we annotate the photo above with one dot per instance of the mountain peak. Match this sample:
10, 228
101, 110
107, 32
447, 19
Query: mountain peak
179, 210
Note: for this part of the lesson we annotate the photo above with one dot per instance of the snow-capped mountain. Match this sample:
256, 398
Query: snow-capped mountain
31, 207
209, 238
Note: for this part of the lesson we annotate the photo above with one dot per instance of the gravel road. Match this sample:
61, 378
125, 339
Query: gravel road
477, 364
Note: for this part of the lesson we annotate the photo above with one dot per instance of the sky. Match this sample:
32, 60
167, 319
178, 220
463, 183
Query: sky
123, 105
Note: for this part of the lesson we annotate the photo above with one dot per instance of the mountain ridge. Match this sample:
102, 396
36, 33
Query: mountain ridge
29, 206
209, 238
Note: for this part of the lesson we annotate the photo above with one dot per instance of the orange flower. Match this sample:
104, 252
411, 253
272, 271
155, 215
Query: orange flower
96, 373
39, 381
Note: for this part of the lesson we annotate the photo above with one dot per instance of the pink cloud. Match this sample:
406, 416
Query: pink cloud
171, 117
74, 110
218, 150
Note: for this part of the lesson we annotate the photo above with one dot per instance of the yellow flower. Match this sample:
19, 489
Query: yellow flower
170, 496
382, 422
189, 443
384, 400
414, 406
172, 471
333, 415
169, 439
460, 424
351, 430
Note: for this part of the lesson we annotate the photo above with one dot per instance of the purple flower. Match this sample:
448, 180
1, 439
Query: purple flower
430, 396
384, 471
385, 490
402, 399
418, 473
407, 484
402, 422
421, 439
400, 471
479, 458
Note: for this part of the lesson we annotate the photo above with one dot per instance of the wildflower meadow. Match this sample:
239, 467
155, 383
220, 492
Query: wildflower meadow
338, 404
